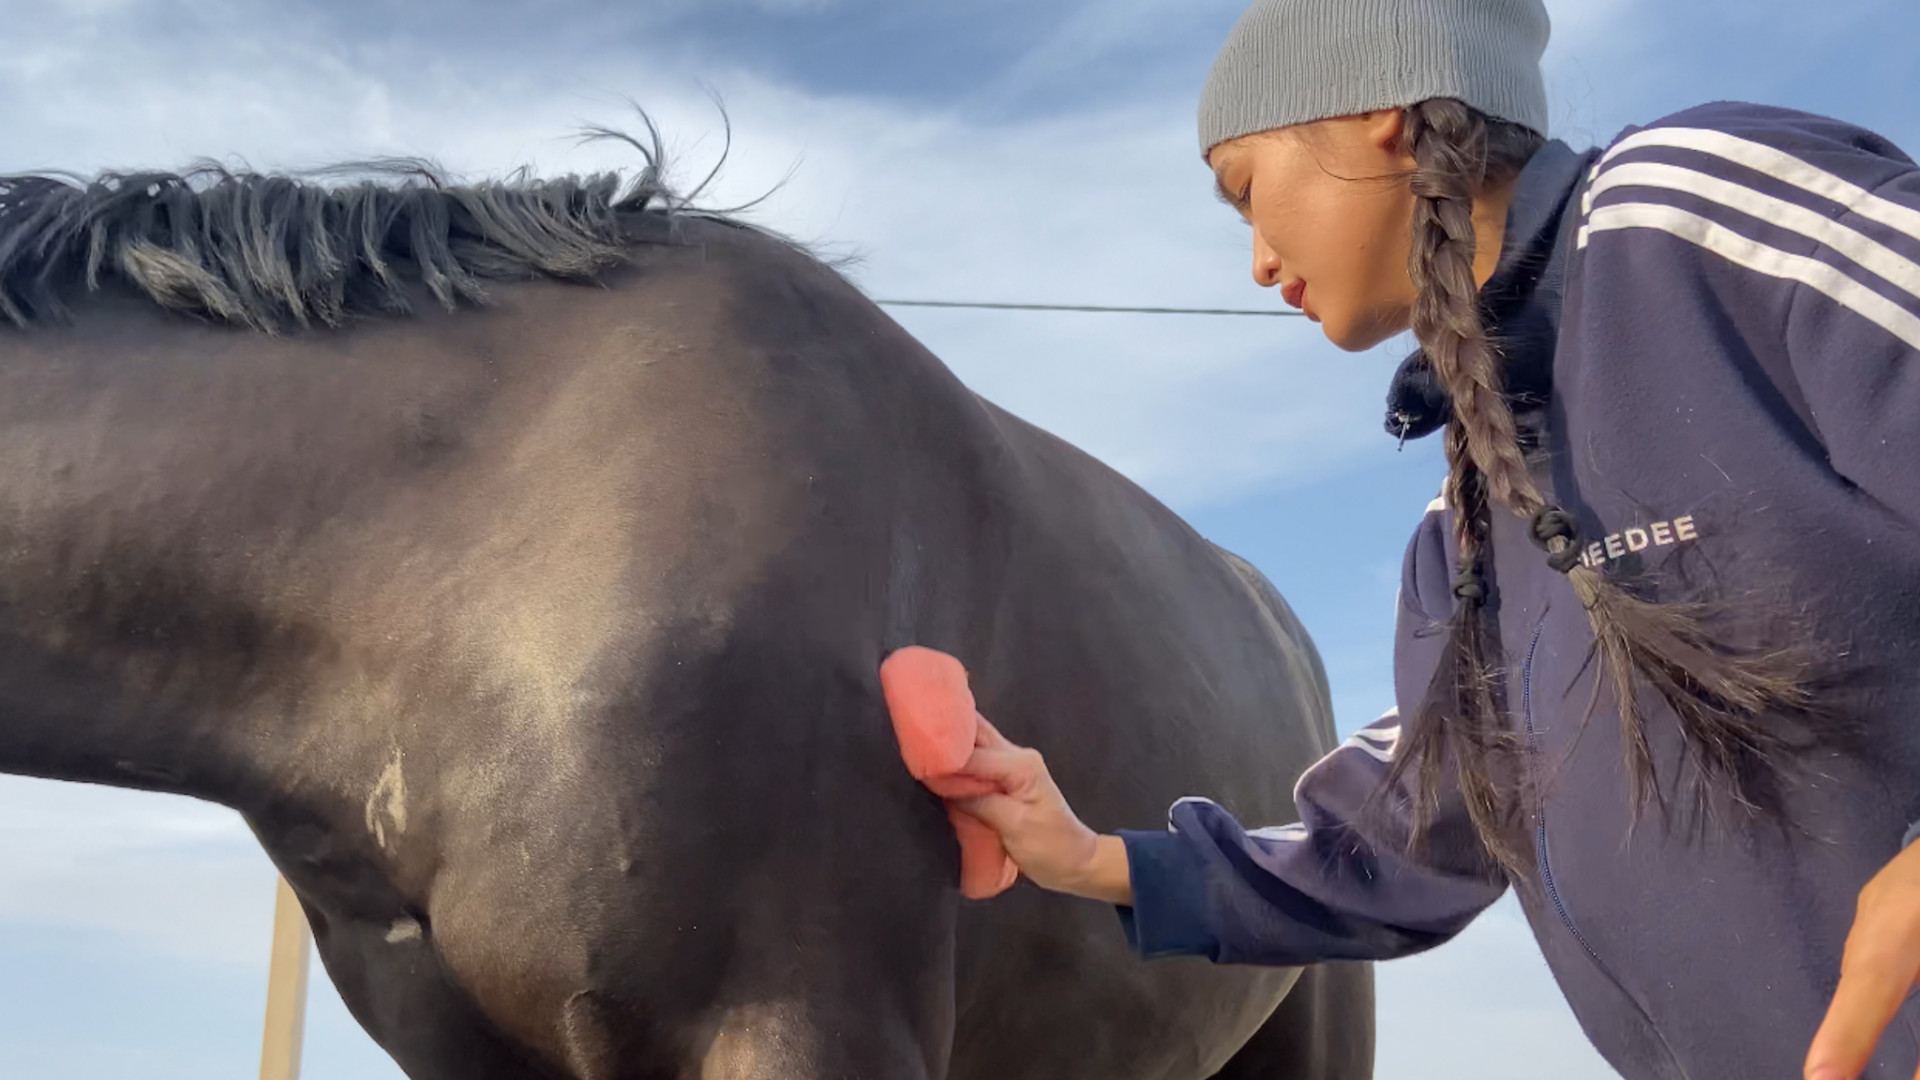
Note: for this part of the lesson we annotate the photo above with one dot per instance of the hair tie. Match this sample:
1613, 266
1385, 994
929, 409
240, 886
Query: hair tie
1565, 561
1553, 523
1469, 587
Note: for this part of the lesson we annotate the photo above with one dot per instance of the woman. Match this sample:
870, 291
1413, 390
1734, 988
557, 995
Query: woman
1679, 379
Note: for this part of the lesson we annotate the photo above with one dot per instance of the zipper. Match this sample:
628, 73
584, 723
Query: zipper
1546, 871
1540, 828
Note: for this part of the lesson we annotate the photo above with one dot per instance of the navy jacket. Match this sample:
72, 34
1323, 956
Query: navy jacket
1715, 321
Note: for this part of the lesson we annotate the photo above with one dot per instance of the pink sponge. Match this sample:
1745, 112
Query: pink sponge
935, 720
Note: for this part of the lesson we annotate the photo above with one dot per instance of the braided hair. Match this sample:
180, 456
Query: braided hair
1721, 695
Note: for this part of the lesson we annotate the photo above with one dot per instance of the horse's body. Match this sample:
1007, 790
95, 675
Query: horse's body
538, 644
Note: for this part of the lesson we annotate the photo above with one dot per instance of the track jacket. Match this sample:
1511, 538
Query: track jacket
1714, 321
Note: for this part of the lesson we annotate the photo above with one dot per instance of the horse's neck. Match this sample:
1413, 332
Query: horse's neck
134, 646
120, 667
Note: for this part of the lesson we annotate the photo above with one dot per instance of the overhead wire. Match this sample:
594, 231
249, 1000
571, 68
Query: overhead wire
1102, 309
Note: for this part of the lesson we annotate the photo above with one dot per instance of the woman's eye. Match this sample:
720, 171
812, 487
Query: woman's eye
1238, 199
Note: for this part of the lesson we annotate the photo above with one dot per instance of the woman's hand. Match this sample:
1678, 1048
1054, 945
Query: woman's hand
1877, 971
1037, 827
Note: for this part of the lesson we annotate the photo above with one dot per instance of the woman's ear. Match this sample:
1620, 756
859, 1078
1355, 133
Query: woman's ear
1386, 130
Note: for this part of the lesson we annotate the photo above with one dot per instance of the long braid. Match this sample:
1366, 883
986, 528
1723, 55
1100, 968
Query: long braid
1721, 696
1464, 720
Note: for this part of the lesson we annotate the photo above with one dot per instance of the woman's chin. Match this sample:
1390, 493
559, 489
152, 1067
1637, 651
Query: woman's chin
1355, 335
1348, 338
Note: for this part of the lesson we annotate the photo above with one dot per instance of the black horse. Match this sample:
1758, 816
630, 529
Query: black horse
518, 559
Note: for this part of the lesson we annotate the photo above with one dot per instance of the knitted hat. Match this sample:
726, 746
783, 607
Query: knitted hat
1292, 61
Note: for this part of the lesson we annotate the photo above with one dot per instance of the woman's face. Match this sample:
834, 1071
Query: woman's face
1332, 217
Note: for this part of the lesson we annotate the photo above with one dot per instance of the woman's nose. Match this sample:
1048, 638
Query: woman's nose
1266, 265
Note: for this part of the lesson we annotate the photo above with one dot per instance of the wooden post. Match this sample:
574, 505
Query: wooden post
286, 989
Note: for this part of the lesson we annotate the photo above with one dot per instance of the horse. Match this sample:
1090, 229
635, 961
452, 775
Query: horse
517, 559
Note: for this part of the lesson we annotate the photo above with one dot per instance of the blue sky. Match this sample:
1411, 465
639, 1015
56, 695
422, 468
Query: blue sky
994, 149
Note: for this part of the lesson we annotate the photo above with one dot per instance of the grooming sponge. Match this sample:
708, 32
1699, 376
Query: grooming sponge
935, 722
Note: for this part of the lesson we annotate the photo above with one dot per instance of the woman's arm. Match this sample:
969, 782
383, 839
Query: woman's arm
1320, 889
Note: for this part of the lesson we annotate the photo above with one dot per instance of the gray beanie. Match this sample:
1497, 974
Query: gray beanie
1291, 61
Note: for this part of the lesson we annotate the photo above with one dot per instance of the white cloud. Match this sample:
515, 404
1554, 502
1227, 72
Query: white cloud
182, 878
1088, 35
174, 885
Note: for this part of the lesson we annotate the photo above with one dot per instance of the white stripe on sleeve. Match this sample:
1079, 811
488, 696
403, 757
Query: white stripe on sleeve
1855, 245
1390, 736
1778, 164
1761, 258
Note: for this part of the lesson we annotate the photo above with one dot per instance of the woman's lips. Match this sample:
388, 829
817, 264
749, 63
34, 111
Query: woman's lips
1296, 296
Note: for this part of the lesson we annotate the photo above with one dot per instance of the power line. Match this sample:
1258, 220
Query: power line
1089, 307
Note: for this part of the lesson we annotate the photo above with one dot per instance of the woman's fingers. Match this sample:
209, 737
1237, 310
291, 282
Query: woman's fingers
1879, 967
1004, 787
998, 812
960, 786
985, 734
1871, 989
1015, 778
1017, 768
1012, 769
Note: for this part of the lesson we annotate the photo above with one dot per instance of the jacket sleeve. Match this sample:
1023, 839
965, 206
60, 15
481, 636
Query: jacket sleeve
1853, 330
1319, 889
1774, 239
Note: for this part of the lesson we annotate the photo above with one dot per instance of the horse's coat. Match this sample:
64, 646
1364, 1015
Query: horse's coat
539, 644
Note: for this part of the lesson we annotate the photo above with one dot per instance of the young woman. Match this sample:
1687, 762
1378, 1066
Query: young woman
1675, 565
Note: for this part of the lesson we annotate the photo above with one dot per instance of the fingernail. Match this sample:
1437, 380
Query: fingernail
1826, 1074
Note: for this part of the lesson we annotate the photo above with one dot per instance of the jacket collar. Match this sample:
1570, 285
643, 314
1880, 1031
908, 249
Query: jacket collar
1521, 300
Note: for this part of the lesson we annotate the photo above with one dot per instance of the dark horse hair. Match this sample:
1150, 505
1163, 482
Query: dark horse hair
271, 252
1729, 701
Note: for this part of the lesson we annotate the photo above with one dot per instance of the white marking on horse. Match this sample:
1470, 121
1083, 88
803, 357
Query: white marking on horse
388, 804
404, 928
760, 1039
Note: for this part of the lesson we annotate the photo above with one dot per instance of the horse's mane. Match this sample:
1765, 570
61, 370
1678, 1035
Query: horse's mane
270, 251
